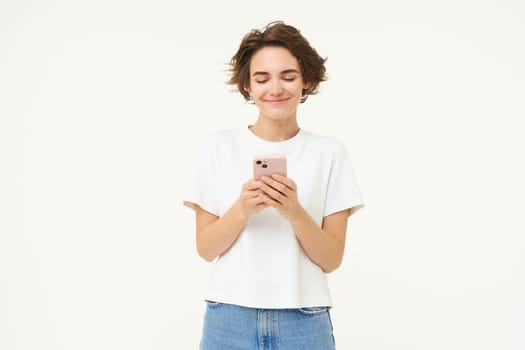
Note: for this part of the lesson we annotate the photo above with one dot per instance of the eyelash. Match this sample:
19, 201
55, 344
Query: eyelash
285, 79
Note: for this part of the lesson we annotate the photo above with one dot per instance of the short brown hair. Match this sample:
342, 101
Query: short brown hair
278, 34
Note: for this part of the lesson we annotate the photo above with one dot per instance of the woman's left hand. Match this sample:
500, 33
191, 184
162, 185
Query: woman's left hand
280, 193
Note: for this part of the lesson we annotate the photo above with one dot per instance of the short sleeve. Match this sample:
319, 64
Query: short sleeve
201, 189
343, 191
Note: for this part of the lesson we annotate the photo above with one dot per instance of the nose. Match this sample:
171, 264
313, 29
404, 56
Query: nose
275, 88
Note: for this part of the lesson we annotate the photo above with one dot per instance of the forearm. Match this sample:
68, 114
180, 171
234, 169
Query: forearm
217, 237
322, 248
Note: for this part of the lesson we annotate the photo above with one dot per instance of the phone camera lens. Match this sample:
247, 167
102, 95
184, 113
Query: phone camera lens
258, 162
265, 165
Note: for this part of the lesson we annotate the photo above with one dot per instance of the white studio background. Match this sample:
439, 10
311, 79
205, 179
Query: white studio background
101, 106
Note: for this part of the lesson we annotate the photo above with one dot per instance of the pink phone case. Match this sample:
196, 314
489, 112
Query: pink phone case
268, 165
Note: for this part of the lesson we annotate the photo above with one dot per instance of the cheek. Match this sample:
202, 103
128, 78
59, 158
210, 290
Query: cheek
296, 87
257, 91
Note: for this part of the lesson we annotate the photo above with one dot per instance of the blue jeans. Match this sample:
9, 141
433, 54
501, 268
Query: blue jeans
232, 327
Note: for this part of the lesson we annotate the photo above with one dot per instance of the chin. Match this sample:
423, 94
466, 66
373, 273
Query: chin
277, 113
281, 115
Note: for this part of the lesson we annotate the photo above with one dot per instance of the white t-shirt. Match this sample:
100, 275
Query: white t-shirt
266, 267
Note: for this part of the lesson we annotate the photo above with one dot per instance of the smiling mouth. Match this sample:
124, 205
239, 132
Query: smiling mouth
277, 101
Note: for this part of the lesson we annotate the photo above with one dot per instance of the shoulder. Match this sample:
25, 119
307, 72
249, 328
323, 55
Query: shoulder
324, 142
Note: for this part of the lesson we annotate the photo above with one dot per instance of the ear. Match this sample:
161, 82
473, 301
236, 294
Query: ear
307, 86
247, 89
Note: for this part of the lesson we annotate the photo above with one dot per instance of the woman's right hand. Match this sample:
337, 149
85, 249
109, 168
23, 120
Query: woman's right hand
251, 199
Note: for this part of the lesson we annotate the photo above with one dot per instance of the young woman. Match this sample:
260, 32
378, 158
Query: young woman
273, 239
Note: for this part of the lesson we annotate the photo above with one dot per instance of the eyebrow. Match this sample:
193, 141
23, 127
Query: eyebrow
286, 71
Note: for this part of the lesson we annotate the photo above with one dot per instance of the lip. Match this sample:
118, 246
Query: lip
277, 101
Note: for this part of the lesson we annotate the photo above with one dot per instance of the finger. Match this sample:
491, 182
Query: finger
251, 185
269, 202
275, 185
259, 207
274, 195
285, 180
259, 204
249, 195
259, 198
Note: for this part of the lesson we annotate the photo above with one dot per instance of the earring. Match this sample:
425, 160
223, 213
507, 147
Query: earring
250, 99
303, 97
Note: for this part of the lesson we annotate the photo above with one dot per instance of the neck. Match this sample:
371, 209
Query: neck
275, 130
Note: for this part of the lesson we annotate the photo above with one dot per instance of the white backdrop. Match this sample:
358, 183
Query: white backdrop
101, 104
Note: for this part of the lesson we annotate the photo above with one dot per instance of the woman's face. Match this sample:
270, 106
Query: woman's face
276, 82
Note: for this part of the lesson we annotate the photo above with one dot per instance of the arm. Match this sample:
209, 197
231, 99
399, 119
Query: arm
323, 245
215, 235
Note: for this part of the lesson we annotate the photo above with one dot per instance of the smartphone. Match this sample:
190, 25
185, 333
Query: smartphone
269, 165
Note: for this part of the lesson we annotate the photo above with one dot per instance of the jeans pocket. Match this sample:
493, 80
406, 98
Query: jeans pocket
314, 311
212, 304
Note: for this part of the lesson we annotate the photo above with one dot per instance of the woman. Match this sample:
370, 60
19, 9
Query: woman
273, 239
